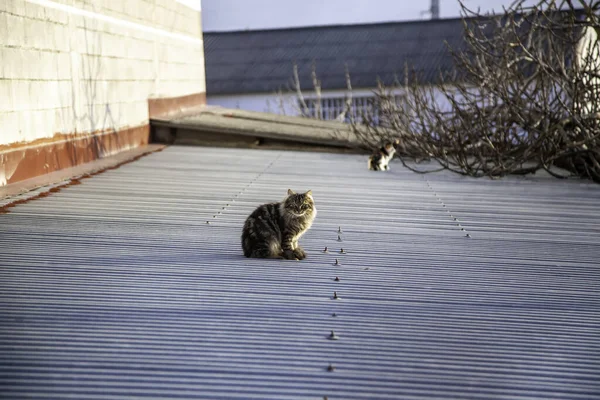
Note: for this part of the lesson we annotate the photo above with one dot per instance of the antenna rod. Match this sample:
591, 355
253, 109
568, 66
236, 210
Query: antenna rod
435, 9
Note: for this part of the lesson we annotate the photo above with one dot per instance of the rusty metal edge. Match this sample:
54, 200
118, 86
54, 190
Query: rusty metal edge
68, 174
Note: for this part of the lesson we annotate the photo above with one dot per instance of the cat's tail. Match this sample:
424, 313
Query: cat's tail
268, 250
371, 164
264, 253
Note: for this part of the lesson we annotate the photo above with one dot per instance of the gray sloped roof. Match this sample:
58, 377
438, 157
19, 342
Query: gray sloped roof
262, 61
118, 289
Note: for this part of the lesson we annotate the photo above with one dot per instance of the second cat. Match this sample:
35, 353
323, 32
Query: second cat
380, 159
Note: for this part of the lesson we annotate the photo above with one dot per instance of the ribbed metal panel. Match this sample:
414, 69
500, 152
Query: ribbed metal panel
119, 289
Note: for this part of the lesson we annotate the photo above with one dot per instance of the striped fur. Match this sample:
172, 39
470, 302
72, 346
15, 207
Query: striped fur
273, 230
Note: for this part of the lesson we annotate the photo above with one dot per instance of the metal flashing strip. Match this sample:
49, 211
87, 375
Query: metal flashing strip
118, 288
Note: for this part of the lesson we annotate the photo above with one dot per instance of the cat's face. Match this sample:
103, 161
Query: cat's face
299, 203
391, 147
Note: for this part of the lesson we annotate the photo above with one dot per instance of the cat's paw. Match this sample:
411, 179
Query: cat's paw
290, 255
300, 253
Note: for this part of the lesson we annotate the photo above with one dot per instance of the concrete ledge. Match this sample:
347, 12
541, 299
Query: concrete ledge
228, 122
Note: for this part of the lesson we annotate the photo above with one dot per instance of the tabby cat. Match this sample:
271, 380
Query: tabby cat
380, 159
273, 230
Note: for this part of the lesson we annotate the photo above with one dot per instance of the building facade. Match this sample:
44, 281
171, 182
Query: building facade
83, 77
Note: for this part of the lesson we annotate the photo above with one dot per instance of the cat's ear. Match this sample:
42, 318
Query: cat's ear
309, 193
290, 192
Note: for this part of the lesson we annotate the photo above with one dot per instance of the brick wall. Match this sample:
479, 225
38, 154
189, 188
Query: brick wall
90, 66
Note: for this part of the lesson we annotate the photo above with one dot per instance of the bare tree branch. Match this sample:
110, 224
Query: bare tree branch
524, 96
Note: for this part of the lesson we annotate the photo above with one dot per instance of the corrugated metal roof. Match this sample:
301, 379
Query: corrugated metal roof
118, 288
220, 125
